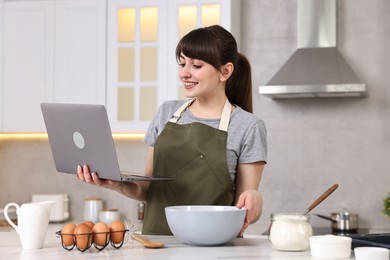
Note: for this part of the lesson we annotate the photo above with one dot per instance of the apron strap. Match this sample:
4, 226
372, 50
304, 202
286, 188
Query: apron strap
176, 116
225, 117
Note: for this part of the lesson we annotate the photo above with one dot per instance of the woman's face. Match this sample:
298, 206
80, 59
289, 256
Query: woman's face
199, 78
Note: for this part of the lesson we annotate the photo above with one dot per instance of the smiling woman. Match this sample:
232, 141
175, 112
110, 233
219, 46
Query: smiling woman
211, 143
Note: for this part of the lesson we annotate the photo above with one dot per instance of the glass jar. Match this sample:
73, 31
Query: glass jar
290, 232
109, 215
141, 210
92, 208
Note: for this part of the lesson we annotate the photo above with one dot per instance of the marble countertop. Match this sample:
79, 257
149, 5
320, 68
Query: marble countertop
249, 247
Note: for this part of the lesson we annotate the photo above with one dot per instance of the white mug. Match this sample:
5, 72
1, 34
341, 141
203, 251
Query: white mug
33, 220
92, 208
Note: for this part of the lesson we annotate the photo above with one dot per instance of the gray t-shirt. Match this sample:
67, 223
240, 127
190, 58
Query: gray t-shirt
246, 140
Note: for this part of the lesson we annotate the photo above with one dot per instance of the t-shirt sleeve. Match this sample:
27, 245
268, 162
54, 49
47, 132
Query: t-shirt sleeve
164, 112
153, 129
254, 148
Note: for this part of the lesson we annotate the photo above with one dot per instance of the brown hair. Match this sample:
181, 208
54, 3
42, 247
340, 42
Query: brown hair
217, 46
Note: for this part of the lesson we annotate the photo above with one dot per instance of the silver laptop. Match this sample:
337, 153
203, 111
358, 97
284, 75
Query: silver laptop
80, 134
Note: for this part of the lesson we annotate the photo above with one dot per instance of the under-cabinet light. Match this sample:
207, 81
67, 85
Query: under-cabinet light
42, 136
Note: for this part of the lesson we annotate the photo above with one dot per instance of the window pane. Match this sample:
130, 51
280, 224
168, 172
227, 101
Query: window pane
125, 64
125, 104
148, 64
126, 25
211, 14
187, 19
148, 103
149, 24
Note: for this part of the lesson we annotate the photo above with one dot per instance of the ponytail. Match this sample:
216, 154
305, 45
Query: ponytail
239, 85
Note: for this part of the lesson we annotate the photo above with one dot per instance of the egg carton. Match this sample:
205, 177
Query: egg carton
84, 241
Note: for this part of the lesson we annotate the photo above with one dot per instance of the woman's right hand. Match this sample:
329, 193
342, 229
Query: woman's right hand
84, 175
135, 190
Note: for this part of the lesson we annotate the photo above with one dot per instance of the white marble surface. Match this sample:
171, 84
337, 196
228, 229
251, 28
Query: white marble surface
250, 247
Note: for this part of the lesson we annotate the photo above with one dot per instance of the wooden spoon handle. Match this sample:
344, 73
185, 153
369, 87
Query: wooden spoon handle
139, 237
322, 197
146, 242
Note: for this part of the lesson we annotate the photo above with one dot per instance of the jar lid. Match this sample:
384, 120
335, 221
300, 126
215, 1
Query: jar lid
93, 198
290, 216
108, 209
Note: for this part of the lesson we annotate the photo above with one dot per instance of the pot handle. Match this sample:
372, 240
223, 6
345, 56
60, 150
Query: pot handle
325, 217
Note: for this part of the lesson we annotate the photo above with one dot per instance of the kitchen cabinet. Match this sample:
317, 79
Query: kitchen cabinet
80, 51
119, 53
142, 37
28, 69
54, 51
1, 64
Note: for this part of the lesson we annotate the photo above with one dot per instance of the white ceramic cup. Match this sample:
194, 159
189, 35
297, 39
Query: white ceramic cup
330, 247
92, 208
371, 253
33, 220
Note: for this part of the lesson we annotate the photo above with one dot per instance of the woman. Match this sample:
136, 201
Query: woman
212, 143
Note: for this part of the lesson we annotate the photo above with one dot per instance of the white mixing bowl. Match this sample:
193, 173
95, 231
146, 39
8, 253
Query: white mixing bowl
205, 225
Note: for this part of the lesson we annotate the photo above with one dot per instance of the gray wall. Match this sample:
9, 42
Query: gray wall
312, 143
315, 143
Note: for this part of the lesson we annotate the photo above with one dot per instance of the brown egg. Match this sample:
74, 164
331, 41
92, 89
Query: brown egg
90, 224
67, 234
83, 236
117, 230
101, 234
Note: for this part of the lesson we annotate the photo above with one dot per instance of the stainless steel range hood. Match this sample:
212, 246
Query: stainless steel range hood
316, 68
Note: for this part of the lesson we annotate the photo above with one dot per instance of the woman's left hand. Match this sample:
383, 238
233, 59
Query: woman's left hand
252, 200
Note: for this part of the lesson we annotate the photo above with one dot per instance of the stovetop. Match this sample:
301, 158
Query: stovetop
328, 230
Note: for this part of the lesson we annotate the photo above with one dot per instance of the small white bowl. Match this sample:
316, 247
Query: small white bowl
371, 253
205, 225
330, 247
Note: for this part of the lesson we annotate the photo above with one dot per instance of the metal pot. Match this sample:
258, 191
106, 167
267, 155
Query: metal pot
343, 220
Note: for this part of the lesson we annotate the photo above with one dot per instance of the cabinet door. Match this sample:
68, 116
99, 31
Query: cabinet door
54, 51
1, 64
80, 51
137, 40
28, 63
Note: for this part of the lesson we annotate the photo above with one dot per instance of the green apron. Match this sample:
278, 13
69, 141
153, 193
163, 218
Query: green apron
196, 155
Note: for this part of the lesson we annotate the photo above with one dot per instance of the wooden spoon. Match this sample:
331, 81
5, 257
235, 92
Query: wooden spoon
146, 242
321, 198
